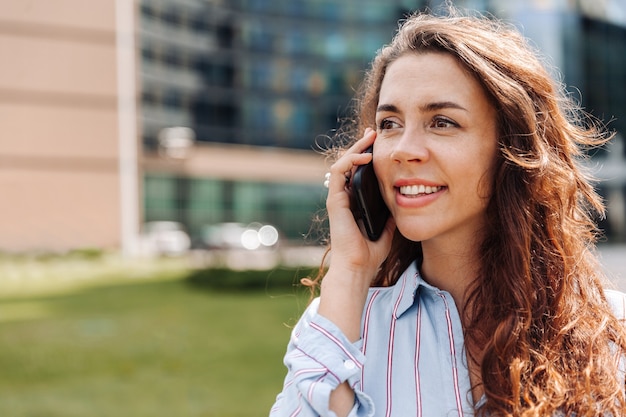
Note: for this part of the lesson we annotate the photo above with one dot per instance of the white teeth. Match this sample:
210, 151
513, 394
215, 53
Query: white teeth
418, 189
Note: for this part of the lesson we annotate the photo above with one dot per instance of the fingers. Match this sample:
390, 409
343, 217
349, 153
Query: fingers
365, 142
341, 171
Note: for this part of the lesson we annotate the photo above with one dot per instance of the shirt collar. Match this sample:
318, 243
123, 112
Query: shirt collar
405, 289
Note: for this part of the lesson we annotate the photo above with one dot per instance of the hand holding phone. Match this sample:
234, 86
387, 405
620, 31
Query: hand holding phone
367, 202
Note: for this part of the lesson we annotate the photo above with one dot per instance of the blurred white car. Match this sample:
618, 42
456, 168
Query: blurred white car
240, 236
164, 238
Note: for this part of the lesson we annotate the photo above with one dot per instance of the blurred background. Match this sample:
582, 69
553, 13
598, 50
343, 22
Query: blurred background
174, 141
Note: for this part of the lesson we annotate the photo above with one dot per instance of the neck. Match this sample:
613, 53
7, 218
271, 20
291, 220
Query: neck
450, 269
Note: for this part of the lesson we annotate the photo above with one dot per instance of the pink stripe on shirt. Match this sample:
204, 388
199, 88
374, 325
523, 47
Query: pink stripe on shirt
392, 330
455, 374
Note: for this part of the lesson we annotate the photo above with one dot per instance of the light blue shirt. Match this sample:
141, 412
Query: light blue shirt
410, 360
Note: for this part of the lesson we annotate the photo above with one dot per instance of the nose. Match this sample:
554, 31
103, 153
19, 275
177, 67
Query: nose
411, 146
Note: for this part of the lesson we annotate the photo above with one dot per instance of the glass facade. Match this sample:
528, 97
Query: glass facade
603, 64
259, 72
198, 202
603, 46
266, 73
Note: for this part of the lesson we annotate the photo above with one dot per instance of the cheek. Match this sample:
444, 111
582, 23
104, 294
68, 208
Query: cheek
484, 179
383, 172
485, 156
381, 159
486, 185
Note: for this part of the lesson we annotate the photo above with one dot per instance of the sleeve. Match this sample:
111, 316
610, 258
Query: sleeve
319, 358
617, 301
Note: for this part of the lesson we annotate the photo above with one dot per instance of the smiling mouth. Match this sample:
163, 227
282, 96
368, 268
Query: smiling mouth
417, 190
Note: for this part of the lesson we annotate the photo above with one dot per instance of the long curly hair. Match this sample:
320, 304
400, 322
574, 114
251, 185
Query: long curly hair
536, 319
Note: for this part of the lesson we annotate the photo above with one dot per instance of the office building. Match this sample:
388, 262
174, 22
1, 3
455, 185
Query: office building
253, 80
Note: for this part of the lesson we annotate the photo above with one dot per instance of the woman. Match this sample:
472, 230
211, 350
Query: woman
484, 295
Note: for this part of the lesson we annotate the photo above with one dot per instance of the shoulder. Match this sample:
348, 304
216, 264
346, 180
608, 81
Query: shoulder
617, 301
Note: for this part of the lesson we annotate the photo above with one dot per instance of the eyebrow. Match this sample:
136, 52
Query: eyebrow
438, 105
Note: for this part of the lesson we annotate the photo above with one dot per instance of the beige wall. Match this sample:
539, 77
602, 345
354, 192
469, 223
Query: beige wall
243, 163
59, 179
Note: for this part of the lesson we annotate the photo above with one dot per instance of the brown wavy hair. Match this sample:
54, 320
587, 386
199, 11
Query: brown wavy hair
536, 314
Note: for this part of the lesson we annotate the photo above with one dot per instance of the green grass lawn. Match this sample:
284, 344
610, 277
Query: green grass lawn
166, 347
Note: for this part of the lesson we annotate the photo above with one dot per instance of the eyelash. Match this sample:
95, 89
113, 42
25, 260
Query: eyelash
384, 123
441, 119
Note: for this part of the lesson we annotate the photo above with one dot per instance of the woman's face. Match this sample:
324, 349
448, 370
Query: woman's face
435, 149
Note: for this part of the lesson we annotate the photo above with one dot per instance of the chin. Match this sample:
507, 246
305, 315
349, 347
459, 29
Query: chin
413, 234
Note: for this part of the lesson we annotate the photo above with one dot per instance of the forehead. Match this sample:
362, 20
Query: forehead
431, 76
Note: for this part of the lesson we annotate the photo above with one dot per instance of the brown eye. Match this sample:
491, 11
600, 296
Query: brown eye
443, 123
386, 124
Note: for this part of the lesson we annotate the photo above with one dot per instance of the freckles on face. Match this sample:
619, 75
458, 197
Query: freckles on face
436, 146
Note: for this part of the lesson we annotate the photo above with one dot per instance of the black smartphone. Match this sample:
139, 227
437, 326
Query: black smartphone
367, 202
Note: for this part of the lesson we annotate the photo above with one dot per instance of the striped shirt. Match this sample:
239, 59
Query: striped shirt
416, 363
